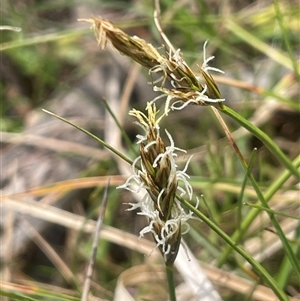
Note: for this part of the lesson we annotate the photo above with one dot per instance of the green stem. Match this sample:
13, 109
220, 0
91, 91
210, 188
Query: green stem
252, 214
256, 265
268, 142
286, 246
285, 243
170, 277
243, 187
286, 269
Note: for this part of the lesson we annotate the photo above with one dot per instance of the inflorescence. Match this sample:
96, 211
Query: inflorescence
155, 169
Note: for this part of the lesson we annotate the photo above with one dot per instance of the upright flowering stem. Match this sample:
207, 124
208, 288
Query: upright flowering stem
170, 278
155, 169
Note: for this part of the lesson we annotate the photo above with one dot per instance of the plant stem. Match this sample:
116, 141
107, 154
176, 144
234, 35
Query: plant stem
256, 265
238, 234
285, 243
268, 142
170, 277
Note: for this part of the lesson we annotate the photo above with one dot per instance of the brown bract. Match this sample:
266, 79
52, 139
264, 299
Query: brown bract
134, 47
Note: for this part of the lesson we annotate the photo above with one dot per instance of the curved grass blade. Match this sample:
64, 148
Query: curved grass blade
122, 156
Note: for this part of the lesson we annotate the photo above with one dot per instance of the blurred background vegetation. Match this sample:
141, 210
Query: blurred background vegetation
256, 43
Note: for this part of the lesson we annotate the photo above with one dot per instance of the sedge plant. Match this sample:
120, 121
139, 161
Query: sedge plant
167, 189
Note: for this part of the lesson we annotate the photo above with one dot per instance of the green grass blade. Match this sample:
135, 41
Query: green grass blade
243, 187
272, 211
286, 268
249, 38
51, 37
268, 142
124, 134
258, 191
275, 186
285, 243
232, 244
122, 156
284, 31
16, 296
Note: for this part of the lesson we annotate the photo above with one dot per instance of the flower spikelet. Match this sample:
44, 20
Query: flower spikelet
155, 170
187, 88
134, 47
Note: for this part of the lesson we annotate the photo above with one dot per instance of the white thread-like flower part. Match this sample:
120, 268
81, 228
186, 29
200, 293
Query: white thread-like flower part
179, 216
201, 98
180, 97
205, 66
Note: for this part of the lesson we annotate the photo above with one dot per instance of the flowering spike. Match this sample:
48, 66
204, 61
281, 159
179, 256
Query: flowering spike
155, 169
134, 47
159, 176
187, 87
